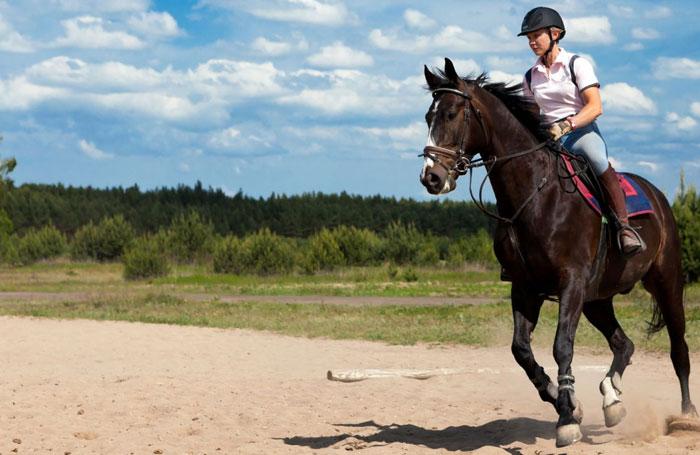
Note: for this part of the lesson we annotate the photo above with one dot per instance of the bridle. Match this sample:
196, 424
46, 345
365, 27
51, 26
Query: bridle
461, 161
463, 164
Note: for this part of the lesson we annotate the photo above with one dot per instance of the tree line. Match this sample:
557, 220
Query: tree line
68, 208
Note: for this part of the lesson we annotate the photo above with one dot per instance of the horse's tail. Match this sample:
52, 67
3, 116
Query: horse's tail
657, 322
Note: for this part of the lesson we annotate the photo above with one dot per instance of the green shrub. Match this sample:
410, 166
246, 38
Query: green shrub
229, 256
104, 242
402, 243
85, 243
686, 209
190, 237
322, 252
145, 259
266, 253
359, 246
429, 252
476, 248
45, 243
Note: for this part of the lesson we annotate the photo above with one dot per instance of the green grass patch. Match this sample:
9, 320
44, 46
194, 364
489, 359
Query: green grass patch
477, 325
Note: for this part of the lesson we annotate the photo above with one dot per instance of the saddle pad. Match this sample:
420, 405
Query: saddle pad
636, 199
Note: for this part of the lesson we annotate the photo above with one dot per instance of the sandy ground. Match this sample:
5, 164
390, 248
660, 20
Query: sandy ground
84, 387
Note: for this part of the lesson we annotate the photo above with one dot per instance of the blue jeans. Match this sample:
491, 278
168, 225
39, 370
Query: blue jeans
588, 142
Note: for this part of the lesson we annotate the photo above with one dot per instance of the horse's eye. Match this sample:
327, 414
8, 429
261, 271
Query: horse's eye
451, 115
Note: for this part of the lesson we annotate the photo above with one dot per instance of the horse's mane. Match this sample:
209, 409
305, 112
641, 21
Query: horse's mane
522, 107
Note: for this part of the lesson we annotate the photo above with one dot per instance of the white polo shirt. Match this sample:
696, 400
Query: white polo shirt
553, 90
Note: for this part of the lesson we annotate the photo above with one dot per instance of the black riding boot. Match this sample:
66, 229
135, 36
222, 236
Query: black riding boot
628, 240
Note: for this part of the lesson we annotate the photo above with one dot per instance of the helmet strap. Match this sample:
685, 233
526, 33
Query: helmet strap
551, 45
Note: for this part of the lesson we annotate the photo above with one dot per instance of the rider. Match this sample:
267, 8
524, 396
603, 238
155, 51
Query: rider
571, 105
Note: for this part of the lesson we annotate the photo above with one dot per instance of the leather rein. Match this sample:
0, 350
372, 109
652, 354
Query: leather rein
463, 164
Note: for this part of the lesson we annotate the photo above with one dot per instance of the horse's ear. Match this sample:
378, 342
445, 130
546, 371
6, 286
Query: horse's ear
450, 71
432, 80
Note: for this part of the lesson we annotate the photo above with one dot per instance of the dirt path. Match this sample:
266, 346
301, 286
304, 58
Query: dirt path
85, 387
33, 296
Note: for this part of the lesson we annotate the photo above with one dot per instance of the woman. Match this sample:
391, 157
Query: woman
567, 91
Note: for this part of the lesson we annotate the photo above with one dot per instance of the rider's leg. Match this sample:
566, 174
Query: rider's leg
587, 141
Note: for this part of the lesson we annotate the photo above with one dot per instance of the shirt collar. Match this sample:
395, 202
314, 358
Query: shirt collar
562, 58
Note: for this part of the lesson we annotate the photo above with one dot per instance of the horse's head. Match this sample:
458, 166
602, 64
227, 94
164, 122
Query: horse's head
456, 130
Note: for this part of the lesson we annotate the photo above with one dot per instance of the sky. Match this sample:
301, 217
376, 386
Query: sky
295, 96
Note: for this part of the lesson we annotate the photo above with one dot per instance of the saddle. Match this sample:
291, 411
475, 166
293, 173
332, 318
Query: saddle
588, 186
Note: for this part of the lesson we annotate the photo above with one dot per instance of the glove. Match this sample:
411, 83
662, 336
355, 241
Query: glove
559, 129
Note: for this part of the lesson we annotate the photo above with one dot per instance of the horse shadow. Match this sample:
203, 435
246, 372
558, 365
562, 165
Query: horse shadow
499, 433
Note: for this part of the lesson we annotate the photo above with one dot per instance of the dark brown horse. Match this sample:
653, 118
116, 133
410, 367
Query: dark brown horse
550, 241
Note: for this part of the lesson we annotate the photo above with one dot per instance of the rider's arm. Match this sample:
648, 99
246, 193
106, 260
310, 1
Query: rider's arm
592, 107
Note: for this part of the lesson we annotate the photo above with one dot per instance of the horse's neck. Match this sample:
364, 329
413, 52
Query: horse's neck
515, 179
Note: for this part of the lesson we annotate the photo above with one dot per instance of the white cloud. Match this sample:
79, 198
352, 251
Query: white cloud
507, 78
103, 6
339, 55
616, 163
653, 167
623, 11
20, 94
89, 149
416, 19
331, 13
204, 94
592, 29
272, 48
225, 139
644, 33
352, 91
511, 64
89, 32
463, 67
675, 121
451, 38
409, 136
624, 98
695, 109
678, 68
632, 47
184, 167
154, 24
660, 12
11, 40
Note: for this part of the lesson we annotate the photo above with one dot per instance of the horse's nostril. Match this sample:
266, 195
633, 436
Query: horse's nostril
433, 180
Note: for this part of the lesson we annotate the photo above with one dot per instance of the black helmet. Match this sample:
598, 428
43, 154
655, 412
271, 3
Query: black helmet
542, 17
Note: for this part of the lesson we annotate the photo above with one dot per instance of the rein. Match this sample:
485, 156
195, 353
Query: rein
463, 163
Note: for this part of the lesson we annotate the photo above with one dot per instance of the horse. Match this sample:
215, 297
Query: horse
554, 246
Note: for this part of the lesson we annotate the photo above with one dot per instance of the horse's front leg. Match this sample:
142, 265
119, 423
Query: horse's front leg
570, 308
526, 312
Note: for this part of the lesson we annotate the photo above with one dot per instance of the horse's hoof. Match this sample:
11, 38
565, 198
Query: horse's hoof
568, 434
614, 414
690, 411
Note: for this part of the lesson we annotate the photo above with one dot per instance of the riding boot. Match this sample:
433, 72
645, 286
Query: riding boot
628, 240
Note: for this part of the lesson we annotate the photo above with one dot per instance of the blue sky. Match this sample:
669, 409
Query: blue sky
292, 96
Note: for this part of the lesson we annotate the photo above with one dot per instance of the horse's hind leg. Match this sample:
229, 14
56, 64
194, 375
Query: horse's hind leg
667, 291
602, 315
526, 312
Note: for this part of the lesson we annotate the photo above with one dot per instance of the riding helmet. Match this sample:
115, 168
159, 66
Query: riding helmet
542, 17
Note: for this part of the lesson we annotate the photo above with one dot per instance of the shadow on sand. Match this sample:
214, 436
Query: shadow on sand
497, 433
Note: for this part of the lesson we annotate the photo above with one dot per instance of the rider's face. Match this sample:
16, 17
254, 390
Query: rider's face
539, 41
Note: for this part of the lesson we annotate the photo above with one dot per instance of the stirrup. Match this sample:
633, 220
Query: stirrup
641, 247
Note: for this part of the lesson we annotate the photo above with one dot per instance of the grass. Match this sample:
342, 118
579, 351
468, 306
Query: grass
62, 276
166, 300
480, 325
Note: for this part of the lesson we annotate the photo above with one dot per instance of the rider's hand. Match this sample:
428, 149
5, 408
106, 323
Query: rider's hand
559, 129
